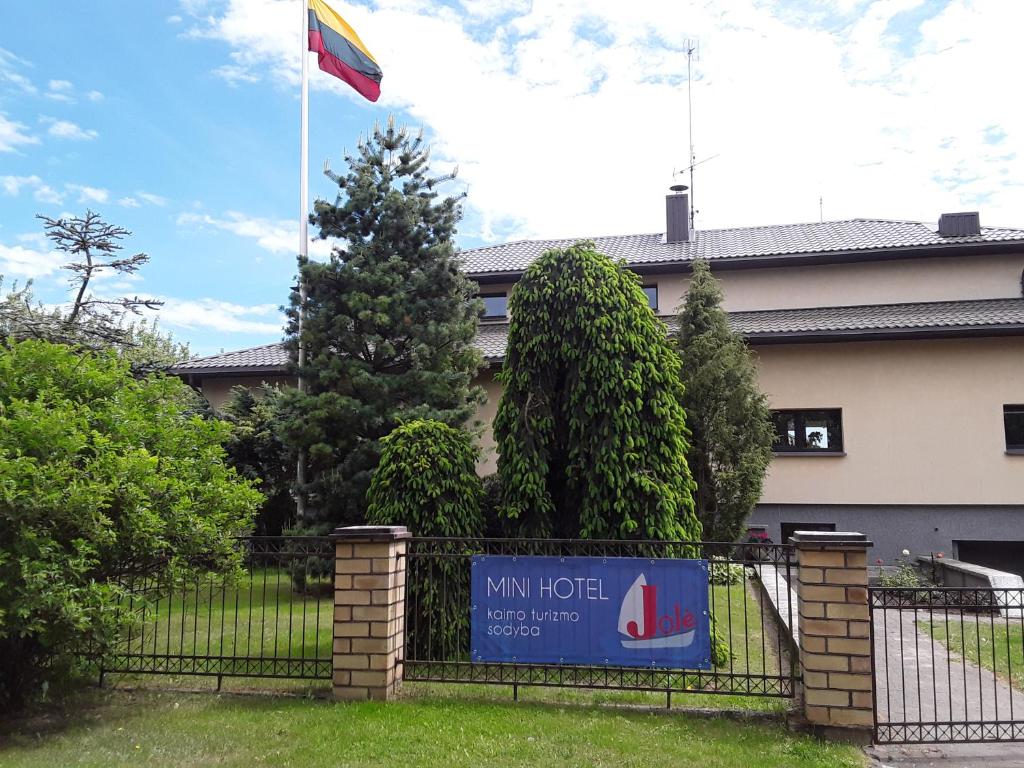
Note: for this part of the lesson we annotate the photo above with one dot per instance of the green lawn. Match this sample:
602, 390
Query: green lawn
261, 615
174, 729
996, 644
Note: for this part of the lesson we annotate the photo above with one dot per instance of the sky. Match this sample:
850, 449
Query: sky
179, 120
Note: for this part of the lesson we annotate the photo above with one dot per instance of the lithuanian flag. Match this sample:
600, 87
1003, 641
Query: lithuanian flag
340, 51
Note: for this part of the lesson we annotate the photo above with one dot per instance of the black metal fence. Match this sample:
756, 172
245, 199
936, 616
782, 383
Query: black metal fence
757, 659
949, 664
273, 620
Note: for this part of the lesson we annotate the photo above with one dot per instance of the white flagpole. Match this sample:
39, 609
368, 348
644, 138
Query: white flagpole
300, 469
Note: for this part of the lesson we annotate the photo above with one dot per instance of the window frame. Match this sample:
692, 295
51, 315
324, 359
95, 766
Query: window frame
1008, 409
799, 427
657, 297
494, 295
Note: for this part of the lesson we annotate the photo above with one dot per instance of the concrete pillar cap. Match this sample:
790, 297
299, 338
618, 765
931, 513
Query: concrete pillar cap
818, 539
372, 533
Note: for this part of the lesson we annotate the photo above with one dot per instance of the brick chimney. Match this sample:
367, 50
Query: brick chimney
677, 215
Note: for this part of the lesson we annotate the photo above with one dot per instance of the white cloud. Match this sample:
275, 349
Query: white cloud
12, 185
94, 96
43, 193
12, 134
9, 66
174, 19
152, 199
128, 202
65, 129
222, 316
88, 194
61, 90
273, 235
19, 261
566, 117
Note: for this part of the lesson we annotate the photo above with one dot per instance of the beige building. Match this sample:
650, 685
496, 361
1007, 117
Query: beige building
892, 354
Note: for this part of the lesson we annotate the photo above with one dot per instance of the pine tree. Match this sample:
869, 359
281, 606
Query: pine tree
590, 429
389, 323
730, 424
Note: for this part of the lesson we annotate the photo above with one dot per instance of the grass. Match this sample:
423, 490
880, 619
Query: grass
993, 644
174, 729
270, 620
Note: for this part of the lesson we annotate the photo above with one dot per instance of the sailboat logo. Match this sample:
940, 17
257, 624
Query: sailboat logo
640, 625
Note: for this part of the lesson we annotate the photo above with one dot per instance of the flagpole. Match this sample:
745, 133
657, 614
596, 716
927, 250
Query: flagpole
300, 468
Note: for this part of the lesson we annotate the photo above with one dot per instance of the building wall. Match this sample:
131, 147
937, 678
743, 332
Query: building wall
217, 388
836, 285
922, 421
488, 462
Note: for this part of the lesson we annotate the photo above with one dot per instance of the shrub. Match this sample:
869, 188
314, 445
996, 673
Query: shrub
490, 505
724, 573
104, 480
427, 481
590, 429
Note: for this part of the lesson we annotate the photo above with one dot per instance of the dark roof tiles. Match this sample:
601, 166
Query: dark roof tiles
738, 243
777, 324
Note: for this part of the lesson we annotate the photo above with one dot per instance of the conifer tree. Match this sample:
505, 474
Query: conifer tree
590, 429
389, 323
728, 416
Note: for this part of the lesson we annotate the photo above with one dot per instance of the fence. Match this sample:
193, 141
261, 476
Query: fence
756, 663
949, 664
273, 620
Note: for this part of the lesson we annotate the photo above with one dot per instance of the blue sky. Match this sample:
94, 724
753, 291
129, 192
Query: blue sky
179, 121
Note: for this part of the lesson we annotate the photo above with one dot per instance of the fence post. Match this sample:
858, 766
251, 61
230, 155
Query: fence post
369, 611
835, 636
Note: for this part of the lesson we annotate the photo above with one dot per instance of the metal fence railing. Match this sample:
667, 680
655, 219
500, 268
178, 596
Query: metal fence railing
758, 663
949, 664
272, 620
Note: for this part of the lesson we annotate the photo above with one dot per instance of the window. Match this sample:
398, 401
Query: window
652, 296
495, 305
1013, 424
808, 431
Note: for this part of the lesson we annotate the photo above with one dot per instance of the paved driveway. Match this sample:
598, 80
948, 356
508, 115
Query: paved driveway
919, 683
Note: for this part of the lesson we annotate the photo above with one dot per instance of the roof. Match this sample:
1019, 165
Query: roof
747, 244
984, 317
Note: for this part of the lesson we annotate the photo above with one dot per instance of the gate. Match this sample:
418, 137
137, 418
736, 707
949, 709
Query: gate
948, 663
760, 662
274, 619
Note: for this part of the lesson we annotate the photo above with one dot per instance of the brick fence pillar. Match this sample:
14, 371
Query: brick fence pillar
369, 611
835, 637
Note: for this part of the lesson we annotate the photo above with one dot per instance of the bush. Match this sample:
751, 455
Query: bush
590, 430
427, 481
904, 576
104, 480
724, 573
490, 506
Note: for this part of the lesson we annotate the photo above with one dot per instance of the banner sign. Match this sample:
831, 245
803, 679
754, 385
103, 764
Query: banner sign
614, 611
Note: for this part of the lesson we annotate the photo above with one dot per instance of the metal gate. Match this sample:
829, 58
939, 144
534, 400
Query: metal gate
949, 664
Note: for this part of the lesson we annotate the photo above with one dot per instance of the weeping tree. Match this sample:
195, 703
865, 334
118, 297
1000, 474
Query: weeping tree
728, 416
389, 323
590, 429
427, 482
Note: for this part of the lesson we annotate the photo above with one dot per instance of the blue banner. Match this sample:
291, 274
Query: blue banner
615, 611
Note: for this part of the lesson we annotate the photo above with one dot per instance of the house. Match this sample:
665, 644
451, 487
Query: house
892, 354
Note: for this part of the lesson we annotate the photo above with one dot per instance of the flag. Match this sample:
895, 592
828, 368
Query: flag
340, 51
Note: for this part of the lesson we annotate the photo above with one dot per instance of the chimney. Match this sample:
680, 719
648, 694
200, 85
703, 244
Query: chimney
962, 224
677, 215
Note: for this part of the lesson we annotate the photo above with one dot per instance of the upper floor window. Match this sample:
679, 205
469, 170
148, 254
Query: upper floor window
652, 296
818, 430
495, 305
1013, 424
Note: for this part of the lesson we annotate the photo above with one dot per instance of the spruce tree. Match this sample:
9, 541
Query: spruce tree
730, 424
389, 323
590, 429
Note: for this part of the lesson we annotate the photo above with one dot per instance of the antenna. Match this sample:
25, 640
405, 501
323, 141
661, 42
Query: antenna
692, 50
821, 209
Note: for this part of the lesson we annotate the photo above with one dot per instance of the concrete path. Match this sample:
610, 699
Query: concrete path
919, 683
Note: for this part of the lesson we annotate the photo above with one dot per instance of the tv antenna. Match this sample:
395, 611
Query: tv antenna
692, 52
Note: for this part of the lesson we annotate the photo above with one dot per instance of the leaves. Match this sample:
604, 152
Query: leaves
731, 431
591, 434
